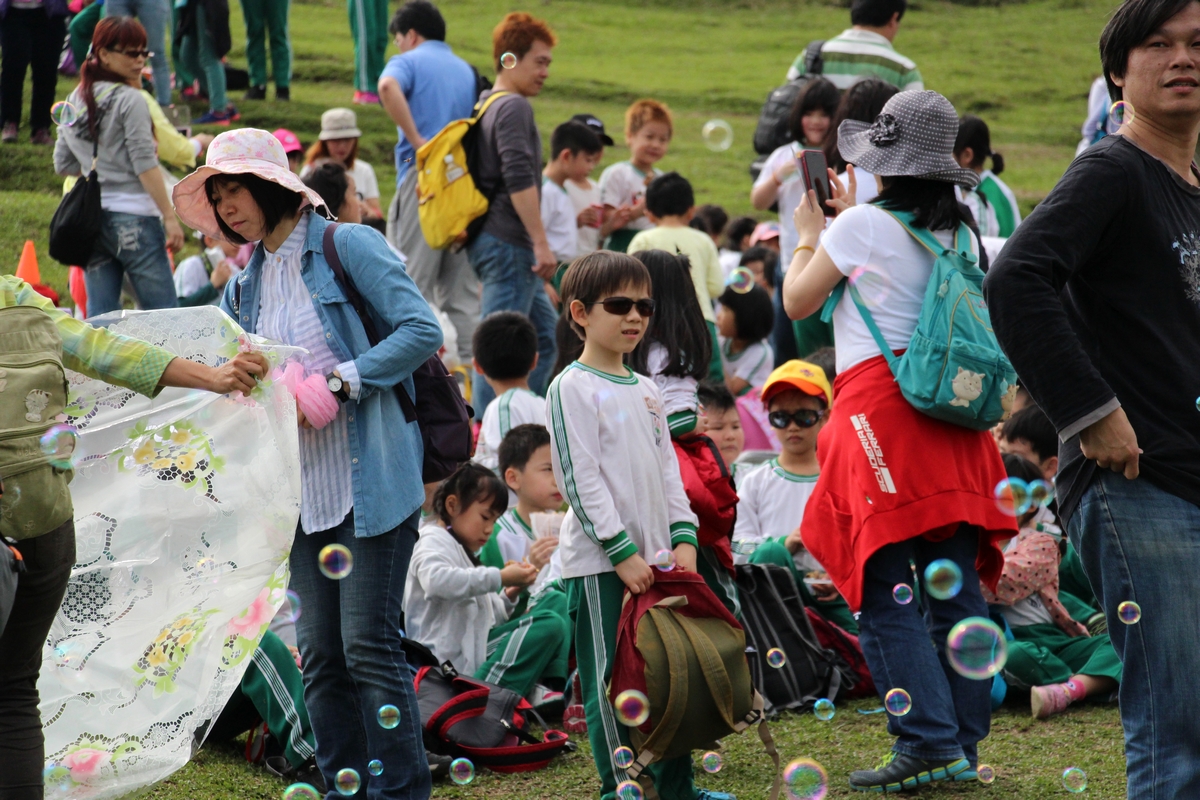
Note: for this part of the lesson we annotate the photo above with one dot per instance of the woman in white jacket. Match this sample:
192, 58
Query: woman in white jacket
460, 608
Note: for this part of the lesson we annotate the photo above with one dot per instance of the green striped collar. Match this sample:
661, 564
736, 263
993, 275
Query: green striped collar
519, 526
628, 380
791, 476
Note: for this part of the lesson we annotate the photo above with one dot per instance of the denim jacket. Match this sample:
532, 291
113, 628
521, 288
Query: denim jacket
385, 451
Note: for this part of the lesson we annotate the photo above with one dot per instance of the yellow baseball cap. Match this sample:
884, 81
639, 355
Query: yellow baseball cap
797, 374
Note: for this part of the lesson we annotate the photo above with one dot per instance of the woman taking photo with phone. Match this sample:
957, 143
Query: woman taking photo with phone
922, 491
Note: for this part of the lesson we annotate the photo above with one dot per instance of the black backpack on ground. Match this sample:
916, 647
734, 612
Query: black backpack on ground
773, 616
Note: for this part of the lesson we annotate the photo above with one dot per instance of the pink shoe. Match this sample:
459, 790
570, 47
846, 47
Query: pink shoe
366, 98
1046, 701
574, 720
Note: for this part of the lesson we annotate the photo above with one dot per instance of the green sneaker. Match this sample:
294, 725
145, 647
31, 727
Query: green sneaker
897, 772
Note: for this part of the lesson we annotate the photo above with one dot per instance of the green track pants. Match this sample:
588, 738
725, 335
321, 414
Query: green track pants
530, 648
268, 19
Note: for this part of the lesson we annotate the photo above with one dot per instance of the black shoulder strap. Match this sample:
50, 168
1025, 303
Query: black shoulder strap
814, 64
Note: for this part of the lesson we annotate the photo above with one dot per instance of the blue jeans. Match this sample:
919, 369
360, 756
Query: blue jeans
510, 284
135, 246
950, 714
349, 638
155, 16
1140, 543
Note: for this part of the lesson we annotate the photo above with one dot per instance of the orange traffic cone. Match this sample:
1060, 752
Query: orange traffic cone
27, 269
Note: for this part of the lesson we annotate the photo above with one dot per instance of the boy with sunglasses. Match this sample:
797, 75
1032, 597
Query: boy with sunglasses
614, 462
771, 499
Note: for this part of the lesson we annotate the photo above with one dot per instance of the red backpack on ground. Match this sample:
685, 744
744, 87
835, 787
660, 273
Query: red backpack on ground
848, 649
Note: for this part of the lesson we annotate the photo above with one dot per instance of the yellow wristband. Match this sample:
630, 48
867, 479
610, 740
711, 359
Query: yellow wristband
803, 247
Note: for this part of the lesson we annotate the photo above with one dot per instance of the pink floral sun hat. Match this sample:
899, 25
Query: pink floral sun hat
245, 151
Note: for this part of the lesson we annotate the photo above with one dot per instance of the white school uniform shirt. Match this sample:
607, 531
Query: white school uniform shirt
753, 365
514, 407
623, 184
514, 538
788, 195
678, 393
771, 504
195, 271
450, 604
614, 461
587, 238
558, 218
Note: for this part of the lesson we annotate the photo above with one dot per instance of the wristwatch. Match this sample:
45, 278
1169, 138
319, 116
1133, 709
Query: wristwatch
340, 389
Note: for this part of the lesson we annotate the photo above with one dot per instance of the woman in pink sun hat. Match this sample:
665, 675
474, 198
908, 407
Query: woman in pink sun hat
361, 471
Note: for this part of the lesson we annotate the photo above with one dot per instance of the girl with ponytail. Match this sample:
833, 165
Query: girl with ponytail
992, 203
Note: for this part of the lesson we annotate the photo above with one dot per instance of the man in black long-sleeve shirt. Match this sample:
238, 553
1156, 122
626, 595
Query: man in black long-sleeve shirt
1096, 299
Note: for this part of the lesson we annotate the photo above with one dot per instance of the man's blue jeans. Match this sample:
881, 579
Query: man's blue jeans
905, 647
349, 637
510, 284
155, 16
1140, 543
131, 245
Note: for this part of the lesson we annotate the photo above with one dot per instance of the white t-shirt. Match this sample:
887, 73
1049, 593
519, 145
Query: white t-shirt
588, 238
789, 195
558, 218
678, 394
865, 189
771, 503
752, 365
363, 173
514, 407
896, 270
730, 260
981, 210
623, 184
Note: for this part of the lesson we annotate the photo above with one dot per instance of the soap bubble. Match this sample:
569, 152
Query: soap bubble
1074, 780
943, 579
56, 778
741, 280
986, 773
388, 716
1129, 612
897, 702
508, 60
1012, 496
58, 446
717, 135
711, 762
335, 561
293, 601
976, 648
623, 757
1120, 113
302, 791
824, 710
665, 560
872, 284
462, 771
902, 593
1041, 493
64, 114
776, 658
375, 767
805, 779
632, 708
1198, 403
629, 790
347, 782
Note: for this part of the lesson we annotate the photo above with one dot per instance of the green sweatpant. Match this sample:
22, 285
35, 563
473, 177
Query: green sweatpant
369, 26
1043, 654
79, 32
719, 580
199, 56
595, 606
268, 18
773, 551
183, 76
531, 647
273, 686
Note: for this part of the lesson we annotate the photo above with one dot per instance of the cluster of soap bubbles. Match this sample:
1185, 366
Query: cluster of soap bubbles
1014, 496
64, 114
335, 561
1129, 612
462, 771
897, 702
302, 791
1074, 780
388, 716
943, 579
717, 135
632, 708
976, 648
741, 280
58, 445
665, 560
776, 658
711, 761
508, 60
805, 779
823, 709
1120, 113
902, 593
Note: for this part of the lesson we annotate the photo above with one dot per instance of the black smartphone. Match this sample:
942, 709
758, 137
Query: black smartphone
816, 177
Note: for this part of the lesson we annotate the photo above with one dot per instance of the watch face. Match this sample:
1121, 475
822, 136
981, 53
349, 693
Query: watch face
334, 383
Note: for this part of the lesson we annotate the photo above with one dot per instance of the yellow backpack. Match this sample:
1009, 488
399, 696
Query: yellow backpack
447, 199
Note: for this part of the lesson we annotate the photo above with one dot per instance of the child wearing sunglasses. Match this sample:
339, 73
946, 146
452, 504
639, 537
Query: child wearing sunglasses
772, 497
614, 462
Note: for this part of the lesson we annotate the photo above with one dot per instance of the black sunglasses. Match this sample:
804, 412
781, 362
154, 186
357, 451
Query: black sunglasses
135, 53
621, 305
805, 418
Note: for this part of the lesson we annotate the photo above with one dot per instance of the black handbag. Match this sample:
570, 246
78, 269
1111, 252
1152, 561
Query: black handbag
75, 226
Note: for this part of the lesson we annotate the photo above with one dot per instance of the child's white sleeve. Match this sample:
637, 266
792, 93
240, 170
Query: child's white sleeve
683, 521
442, 579
576, 455
747, 531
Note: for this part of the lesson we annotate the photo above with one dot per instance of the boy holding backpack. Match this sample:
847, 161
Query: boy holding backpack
613, 459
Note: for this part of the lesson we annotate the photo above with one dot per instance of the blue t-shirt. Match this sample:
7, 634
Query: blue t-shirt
439, 87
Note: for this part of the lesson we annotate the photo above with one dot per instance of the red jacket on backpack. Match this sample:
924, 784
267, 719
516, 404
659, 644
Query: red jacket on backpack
711, 494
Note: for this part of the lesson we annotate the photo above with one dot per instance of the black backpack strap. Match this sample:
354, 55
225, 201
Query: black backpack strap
814, 64
360, 307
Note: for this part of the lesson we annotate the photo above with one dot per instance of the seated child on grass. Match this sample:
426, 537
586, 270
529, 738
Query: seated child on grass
722, 423
505, 352
460, 608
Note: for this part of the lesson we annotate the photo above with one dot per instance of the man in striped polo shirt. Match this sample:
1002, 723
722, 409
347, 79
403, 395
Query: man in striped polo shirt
865, 49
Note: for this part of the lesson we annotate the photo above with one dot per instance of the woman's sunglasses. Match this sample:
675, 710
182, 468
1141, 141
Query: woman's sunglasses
805, 418
621, 305
135, 53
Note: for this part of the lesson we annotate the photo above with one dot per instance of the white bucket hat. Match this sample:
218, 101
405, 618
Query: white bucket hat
339, 123
913, 136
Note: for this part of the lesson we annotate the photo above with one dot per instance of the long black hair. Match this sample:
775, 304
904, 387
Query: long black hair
274, 201
932, 203
862, 102
678, 323
973, 133
819, 94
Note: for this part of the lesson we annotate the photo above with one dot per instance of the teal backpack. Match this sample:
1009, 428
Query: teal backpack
953, 369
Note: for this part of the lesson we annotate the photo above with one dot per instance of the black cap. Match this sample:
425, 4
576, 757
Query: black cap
596, 125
